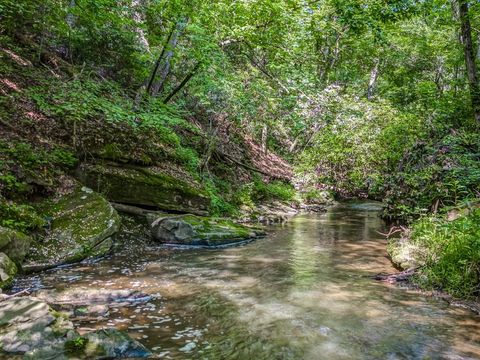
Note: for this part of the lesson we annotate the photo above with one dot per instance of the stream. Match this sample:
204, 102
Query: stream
303, 292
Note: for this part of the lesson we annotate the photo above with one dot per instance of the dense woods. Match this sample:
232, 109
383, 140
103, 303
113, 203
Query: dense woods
242, 104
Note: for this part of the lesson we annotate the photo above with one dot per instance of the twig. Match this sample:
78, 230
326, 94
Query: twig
393, 230
24, 291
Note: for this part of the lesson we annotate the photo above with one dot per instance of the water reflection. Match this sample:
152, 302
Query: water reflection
302, 293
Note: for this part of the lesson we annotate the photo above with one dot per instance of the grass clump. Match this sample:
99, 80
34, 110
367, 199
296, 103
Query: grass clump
452, 253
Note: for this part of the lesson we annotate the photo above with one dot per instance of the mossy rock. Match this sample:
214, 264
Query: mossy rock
8, 270
106, 344
145, 186
82, 224
28, 324
201, 231
404, 253
14, 244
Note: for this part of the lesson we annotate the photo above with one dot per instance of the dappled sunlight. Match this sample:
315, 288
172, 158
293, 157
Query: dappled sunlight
16, 58
306, 288
33, 115
10, 84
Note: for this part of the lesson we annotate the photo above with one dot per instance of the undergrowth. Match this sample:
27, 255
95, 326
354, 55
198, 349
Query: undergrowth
452, 250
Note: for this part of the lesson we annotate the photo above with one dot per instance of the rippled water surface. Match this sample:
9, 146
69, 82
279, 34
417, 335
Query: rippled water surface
304, 292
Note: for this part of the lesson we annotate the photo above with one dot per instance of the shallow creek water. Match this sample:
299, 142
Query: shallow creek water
303, 292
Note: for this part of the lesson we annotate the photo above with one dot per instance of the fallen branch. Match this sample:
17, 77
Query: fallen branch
133, 210
6, 297
398, 277
393, 230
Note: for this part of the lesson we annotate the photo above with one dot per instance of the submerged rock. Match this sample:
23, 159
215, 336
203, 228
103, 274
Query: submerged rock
14, 244
146, 186
107, 344
29, 327
197, 230
8, 270
28, 323
82, 225
85, 296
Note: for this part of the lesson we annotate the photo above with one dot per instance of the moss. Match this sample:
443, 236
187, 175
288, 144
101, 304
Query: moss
73, 212
81, 223
8, 270
404, 253
111, 151
75, 347
147, 187
197, 230
14, 244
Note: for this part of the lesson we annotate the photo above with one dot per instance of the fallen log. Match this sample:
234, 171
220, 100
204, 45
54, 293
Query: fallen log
133, 210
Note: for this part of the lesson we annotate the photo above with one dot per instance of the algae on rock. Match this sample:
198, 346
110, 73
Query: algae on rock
8, 270
30, 327
28, 324
14, 244
204, 231
82, 225
146, 186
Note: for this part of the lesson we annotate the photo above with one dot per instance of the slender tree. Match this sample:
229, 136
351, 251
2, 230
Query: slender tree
469, 54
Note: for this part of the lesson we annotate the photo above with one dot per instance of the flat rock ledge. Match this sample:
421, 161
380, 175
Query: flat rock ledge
31, 329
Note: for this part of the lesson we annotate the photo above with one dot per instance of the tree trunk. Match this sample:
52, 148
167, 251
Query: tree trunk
478, 46
264, 138
158, 62
167, 58
469, 53
373, 79
183, 83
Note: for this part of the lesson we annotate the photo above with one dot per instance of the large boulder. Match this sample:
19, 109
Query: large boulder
14, 244
8, 270
147, 187
203, 231
82, 225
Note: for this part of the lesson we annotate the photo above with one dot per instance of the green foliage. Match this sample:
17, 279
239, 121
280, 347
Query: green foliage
19, 217
259, 191
219, 205
82, 99
436, 173
452, 253
75, 346
23, 166
244, 195
358, 145
275, 190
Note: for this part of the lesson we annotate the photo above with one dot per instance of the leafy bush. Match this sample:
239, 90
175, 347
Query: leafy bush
22, 165
219, 206
244, 195
453, 253
275, 190
359, 143
316, 196
258, 190
19, 217
435, 174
